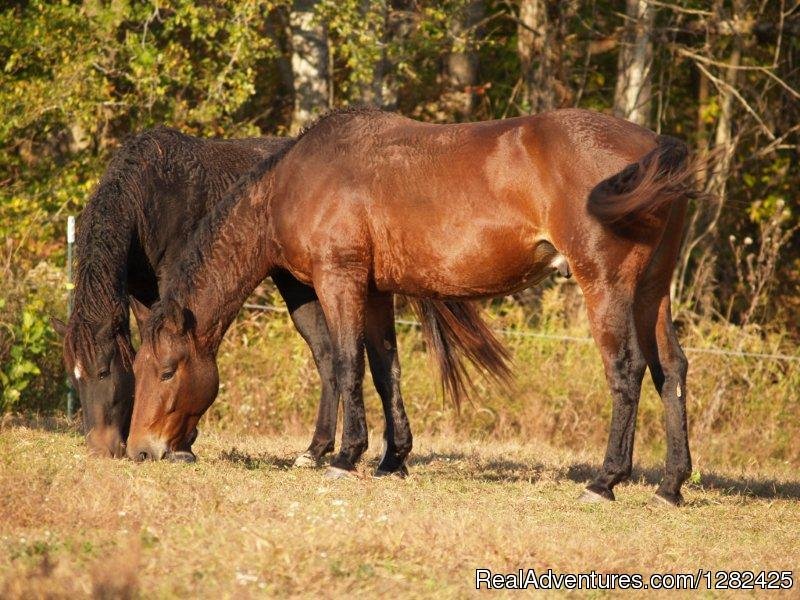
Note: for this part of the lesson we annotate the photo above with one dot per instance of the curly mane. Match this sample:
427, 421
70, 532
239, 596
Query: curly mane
180, 275
118, 214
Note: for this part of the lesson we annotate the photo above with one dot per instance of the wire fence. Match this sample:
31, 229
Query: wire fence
578, 339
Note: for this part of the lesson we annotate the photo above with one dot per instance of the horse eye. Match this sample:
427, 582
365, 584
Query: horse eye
167, 375
103, 374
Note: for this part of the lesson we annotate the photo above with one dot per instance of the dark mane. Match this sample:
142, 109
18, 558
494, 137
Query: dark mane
180, 275
117, 212
102, 243
331, 116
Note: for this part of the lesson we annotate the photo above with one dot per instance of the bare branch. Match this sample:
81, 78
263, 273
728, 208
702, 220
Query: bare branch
722, 85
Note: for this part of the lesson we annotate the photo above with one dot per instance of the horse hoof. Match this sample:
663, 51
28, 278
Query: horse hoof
592, 497
337, 473
306, 461
400, 473
666, 501
180, 456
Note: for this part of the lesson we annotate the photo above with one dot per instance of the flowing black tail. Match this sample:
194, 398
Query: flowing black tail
660, 177
454, 331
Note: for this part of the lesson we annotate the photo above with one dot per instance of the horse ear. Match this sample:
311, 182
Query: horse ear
187, 320
140, 312
181, 317
59, 326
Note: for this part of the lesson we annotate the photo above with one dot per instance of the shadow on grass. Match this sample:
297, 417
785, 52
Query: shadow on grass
504, 470
252, 462
472, 467
725, 484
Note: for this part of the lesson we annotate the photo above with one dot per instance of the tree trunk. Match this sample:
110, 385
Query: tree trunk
632, 94
541, 33
700, 247
535, 51
461, 65
702, 134
382, 90
309, 64
723, 138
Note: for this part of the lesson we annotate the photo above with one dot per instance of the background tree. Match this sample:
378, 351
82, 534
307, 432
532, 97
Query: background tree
309, 63
462, 61
632, 91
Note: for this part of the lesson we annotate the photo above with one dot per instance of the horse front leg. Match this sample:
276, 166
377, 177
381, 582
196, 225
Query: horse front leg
343, 295
614, 330
384, 364
309, 320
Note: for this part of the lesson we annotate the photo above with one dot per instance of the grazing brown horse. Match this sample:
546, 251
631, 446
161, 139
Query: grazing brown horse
168, 198
368, 203
157, 188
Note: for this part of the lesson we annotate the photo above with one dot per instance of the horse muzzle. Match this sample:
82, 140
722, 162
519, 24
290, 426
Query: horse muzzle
107, 443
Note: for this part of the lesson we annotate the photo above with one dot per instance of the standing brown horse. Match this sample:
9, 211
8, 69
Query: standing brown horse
156, 190
453, 328
368, 203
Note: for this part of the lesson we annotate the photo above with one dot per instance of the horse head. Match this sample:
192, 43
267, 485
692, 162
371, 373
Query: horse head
99, 362
176, 382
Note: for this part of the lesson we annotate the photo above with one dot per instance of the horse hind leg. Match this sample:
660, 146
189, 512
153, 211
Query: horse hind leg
384, 363
665, 358
612, 322
668, 368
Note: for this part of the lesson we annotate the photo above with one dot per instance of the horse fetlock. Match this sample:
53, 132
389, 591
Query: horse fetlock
403, 448
348, 457
318, 449
392, 461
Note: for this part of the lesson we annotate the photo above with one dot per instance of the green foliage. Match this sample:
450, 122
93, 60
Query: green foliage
31, 372
29, 342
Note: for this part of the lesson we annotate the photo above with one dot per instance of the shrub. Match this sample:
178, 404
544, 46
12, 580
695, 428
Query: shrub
31, 371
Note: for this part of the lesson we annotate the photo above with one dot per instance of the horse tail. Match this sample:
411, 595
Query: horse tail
659, 178
454, 330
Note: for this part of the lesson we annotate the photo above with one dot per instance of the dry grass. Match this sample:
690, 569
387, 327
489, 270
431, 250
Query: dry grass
242, 523
493, 487
740, 409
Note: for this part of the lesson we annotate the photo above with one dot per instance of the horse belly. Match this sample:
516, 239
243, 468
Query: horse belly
474, 262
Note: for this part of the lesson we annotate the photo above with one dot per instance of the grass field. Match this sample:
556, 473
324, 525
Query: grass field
241, 522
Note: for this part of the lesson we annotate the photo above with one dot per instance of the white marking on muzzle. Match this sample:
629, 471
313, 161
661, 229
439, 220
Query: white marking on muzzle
78, 372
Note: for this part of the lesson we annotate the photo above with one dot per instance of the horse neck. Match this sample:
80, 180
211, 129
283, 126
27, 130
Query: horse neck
239, 255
